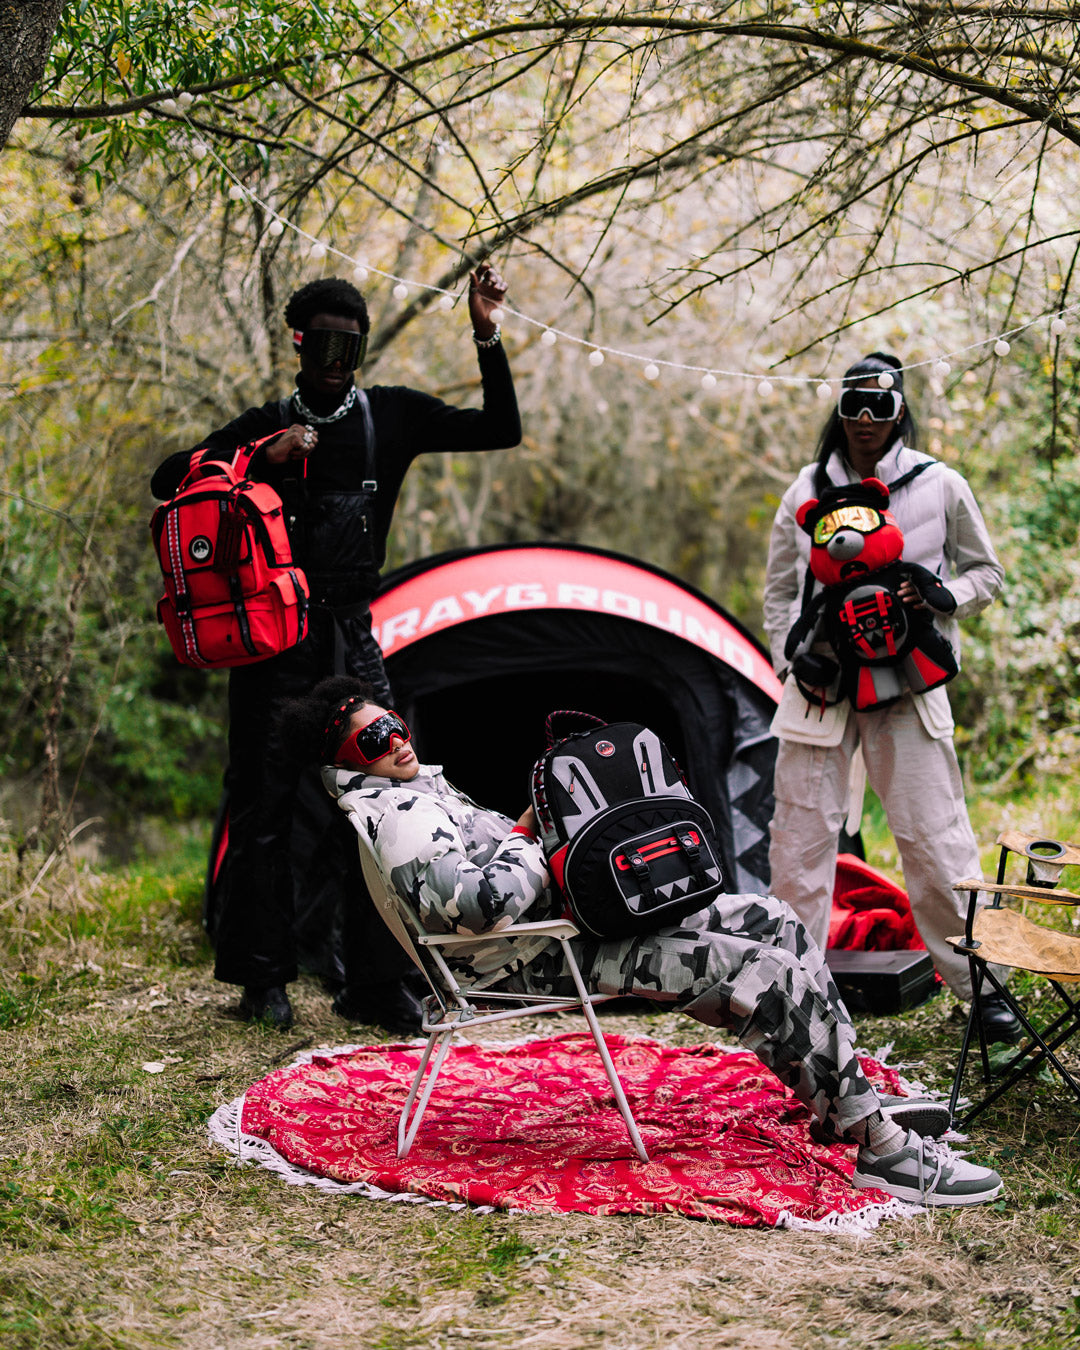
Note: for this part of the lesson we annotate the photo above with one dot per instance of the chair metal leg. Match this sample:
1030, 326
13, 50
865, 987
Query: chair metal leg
1028, 1059
406, 1130
605, 1055
965, 1046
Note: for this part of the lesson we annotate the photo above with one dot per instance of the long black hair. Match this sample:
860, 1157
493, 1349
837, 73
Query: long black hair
832, 434
312, 727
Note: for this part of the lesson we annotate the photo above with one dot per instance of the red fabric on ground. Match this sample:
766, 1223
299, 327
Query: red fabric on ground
535, 1127
870, 912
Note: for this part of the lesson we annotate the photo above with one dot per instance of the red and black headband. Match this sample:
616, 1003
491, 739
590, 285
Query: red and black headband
338, 718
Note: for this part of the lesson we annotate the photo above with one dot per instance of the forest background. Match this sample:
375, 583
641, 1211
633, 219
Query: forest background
763, 188
766, 188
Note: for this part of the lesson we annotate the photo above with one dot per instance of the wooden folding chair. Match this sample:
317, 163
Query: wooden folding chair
453, 1005
999, 934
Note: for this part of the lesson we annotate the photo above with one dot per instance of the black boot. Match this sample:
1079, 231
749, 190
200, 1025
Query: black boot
270, 1006
999, 1021
393, 1006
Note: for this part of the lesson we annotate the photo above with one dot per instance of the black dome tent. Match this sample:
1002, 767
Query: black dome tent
481, 644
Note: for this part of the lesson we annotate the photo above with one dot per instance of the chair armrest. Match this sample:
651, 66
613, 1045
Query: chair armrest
555, 928
1020, 891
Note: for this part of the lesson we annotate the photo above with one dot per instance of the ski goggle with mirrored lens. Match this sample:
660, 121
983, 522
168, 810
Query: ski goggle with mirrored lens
370, 743
325, 347
864, 519
883, 405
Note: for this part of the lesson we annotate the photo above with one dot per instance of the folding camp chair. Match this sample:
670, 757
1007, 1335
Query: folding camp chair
453, 1005
1005, 936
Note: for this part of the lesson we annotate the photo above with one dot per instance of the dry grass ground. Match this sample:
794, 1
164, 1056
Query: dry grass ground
123, 1227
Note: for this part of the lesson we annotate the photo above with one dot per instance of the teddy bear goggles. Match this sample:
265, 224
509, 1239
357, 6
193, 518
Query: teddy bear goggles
864, 519
883, 405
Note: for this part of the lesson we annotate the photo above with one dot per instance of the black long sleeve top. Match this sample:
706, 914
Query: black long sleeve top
407, 423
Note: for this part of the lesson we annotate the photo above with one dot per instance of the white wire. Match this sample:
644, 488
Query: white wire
619, 352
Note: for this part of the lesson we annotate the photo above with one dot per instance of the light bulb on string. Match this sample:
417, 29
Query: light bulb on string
651, 371
317, 252
185, 100
548, 337
601, 406
446, 303
359, 274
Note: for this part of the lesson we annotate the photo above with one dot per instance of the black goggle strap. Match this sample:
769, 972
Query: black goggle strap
883, 405
373, 741
326, 345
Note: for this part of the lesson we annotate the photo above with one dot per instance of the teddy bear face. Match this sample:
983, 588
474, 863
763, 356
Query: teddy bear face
854, 541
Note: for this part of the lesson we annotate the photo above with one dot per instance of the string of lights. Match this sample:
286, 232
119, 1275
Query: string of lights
651, 366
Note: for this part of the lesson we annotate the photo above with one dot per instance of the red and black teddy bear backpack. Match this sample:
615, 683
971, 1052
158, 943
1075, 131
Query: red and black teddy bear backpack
881, 647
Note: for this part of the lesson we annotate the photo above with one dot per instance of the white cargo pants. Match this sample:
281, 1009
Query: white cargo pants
917, 779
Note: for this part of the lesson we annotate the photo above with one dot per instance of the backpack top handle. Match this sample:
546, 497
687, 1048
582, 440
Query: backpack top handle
587, 719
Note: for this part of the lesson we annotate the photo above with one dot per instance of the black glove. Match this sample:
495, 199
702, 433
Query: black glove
930, 586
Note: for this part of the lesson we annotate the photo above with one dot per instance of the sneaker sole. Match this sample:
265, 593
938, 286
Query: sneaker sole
929, 1119
914, 1196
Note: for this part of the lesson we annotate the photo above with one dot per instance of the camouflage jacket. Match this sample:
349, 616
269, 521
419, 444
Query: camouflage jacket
457, 864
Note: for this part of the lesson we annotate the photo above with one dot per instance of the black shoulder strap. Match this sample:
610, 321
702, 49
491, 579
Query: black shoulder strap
911, 475
370, 470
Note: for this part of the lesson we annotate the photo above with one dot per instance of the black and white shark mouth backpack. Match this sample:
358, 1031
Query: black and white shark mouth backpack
627, 845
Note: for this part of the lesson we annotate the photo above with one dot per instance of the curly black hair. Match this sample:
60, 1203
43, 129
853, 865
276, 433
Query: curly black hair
303, 722
832, 434
328, 295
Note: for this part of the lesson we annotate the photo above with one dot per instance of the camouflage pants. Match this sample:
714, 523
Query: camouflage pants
746, 963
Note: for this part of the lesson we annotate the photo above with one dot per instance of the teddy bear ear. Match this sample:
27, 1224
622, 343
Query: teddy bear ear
877, 486
803, 512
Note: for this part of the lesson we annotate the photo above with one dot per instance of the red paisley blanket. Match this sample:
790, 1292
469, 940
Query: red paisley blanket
534, 1126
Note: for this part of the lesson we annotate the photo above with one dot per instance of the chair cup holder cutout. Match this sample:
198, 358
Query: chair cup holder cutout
1043, 868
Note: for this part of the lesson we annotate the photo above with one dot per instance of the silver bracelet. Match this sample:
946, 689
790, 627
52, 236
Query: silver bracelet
492, 341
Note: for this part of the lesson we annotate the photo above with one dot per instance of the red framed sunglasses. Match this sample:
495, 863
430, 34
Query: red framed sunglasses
370, 743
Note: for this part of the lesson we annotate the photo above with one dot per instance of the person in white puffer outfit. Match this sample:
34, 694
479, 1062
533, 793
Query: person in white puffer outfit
908, 747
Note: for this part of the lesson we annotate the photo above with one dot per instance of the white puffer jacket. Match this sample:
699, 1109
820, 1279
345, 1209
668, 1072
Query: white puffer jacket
943, 530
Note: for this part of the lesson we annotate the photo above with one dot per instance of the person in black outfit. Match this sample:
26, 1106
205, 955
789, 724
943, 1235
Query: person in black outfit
338, 463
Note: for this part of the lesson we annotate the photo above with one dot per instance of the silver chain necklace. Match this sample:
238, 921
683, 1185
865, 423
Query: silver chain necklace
336, 416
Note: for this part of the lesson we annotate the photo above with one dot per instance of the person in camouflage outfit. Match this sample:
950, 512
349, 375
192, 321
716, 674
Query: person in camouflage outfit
744, 962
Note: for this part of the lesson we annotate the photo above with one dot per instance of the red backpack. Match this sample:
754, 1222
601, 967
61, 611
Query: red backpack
232, 592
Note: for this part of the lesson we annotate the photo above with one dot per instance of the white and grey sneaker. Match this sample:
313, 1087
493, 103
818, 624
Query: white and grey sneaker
926, 1172
925, 1116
